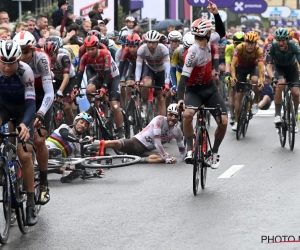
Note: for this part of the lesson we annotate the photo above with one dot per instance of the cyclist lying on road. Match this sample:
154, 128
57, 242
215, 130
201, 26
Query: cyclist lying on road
67, 140
159, 131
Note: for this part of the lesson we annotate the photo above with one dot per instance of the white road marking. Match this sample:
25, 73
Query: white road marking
231, 171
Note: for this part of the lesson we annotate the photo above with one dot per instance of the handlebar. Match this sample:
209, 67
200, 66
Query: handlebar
218, 110
14, 134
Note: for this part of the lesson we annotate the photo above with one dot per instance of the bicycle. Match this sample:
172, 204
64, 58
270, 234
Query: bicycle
288, 119
202, 145
245, 113
91, 158
11, 181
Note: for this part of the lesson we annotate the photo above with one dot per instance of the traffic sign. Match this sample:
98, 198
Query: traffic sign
248, 6
204, 14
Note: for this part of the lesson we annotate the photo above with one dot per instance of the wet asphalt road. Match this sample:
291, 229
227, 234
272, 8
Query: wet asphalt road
153, 207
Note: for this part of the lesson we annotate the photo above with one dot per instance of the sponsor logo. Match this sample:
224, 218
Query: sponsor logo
45, 64
29, 83
190, 59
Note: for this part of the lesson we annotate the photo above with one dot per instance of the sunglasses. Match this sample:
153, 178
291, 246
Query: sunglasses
10, 60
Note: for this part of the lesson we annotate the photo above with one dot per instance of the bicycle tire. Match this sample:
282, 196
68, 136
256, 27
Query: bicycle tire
203, 166
247, 120
88, 163
241, 118
133, 115
282, 130
36, 183
208, 116
126, 126
150, 113
291, 125
197, 162
6, 204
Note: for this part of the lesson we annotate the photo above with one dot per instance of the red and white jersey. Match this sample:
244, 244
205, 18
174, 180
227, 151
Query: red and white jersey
157, 133
102, 63
127, 56
198, 63
154, 61
63, 66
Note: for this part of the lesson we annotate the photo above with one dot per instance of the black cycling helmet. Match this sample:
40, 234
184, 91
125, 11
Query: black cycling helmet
104, 40
94, 33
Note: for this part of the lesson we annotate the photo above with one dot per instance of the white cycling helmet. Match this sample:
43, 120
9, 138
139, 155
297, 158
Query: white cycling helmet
25, 39
111, 42
175, 36
130, 19
188, 40
152, 36
201, 27
84, 116
10, 51
172, 108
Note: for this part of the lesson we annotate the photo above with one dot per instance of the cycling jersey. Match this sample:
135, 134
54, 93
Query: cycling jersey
171, 52
198, 63
246, 59
285, 58
65, 51
40, 65
14, 90
82, 49
126, 56
157, 133
63, 66
68, 149
176, 65
157, 62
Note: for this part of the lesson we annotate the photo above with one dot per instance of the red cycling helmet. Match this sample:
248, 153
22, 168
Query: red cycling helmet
51, 47
270, 38
91, 41
133, 39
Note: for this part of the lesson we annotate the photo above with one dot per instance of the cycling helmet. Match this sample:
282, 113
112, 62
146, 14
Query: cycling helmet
10, 51
152, 36
188, 40
270, 38
281, 34
201, 27
91, 41
130, 19
84, 116
25, 39
123, 38
104, 40
133, 39
223, 42
51, 47
238, 37
94, 33
251, 36
172, 108
111, 43
55, 39
291, 32
175, 36
110, 35
79, 20
116, 33
213, 24
163, 38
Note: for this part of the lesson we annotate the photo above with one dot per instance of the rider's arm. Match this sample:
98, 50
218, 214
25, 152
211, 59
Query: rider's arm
66, 135
81, 69
107, 65
30, 107
220, 29
233, 66
269, 60
174, 63
297, 53
157, 140
43, 66
228, 53
215, 57
123, 61
139, 64
189, 63
167, 67
66, 63
180, 144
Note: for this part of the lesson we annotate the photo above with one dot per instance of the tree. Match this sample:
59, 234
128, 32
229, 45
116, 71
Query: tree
121, 17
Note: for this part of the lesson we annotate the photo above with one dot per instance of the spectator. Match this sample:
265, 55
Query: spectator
96, 28
101, 24
22, 26
7, 28
103, 30
130, 24
97, 12
75, 39
84, 29
61, 16
4, 17
169, 29
4, 35
41, 23
94, 22
30, 20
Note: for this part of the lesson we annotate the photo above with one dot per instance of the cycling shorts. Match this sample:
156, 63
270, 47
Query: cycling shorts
113, 86
133, 146
158, 77
291, 73
241, 75
69, 88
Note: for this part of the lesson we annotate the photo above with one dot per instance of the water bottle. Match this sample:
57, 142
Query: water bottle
12, 171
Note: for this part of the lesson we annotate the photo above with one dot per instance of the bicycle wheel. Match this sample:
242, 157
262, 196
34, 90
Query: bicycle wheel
291, 124
150, 113
113, 161
242, 117
36, 183
208, 116
21, 218
5, 220
133, 118
197, 163
247, 120
126, 125
204, 155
